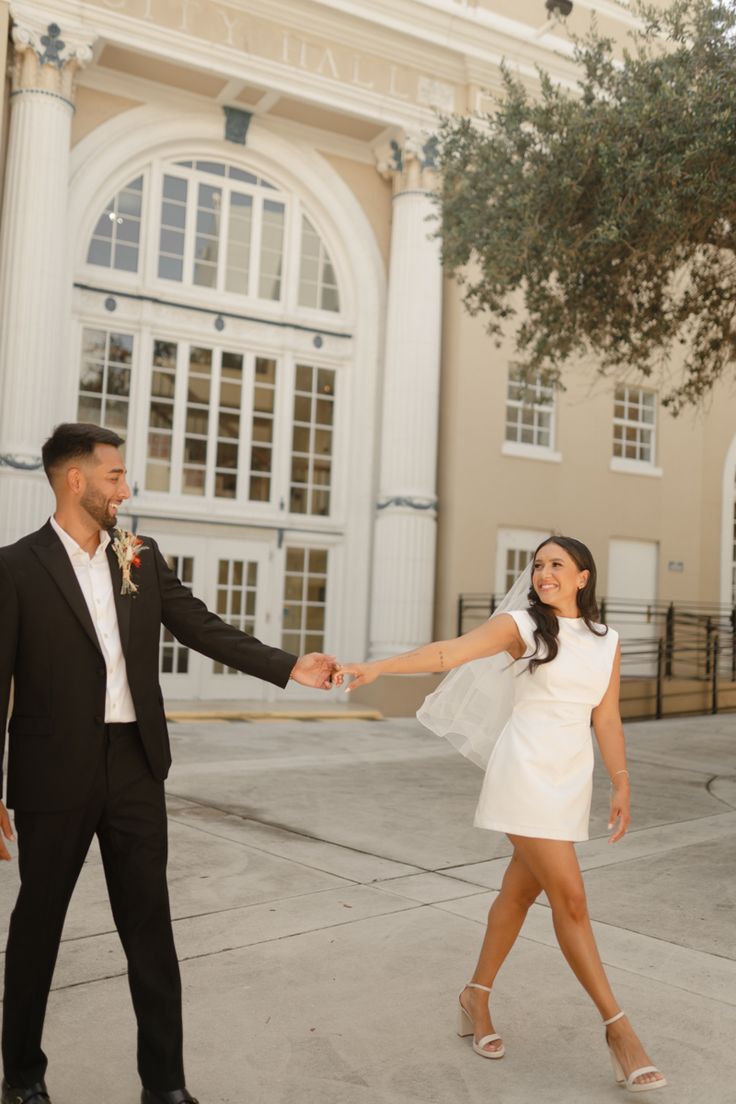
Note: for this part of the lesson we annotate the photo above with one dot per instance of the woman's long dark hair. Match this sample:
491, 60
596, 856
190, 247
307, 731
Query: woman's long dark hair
544, 617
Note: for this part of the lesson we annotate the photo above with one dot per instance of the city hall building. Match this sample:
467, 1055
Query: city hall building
218, 239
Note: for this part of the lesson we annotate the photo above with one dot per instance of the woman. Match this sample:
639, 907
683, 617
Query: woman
538, 782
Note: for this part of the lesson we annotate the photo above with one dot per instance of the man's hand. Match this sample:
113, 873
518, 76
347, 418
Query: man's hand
315, 669
7, 830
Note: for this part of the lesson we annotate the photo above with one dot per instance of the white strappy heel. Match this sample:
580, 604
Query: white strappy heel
465, 1027
630, 1082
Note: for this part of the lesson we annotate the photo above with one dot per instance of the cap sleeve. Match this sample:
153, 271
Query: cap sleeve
526, 626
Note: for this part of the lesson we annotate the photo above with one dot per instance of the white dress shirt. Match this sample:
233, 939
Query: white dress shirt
95, 581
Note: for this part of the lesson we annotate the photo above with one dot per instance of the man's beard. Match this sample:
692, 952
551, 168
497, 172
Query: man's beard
98, 508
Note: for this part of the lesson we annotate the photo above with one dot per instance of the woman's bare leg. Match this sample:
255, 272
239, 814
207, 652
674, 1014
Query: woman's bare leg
519, 890
554, 864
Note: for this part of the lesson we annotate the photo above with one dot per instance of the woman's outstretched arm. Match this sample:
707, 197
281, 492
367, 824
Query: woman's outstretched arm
499, 634
609, 732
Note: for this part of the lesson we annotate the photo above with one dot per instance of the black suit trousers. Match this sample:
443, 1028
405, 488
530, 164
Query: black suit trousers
126, 810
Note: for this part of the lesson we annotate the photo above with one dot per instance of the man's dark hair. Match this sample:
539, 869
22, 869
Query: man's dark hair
73, 441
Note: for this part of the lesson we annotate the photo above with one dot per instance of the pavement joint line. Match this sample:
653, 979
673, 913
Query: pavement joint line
656, 761
263, 850
412, 906
294, 832
674, 846
600, 923
639, 973
221, 911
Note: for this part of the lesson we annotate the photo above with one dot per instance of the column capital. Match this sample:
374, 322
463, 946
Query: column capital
47, 54
409, 160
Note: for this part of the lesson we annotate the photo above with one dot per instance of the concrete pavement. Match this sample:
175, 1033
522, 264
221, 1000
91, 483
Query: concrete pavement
329, 894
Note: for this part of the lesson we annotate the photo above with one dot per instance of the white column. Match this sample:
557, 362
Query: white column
406, 519
34, 270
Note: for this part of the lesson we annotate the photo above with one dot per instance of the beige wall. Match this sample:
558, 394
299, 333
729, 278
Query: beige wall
372, 192
93, 108
481, 490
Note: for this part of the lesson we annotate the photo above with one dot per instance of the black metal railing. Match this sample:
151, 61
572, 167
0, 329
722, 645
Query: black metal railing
680, 657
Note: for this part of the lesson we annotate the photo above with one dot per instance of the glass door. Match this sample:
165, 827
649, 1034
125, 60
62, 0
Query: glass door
233, 579
239, 588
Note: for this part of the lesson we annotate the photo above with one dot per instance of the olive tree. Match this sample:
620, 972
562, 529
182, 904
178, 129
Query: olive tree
601, 222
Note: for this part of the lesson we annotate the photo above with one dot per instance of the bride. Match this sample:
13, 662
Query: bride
535, 675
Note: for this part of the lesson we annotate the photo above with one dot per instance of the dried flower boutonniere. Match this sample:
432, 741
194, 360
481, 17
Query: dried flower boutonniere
127, 548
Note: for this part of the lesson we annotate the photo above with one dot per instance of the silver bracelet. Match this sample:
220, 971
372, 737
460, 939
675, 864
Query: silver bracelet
622, 771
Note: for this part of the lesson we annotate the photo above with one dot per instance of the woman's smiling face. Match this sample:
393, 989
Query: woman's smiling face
556, 578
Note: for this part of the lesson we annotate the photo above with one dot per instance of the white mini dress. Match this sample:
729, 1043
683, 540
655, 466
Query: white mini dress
539, 779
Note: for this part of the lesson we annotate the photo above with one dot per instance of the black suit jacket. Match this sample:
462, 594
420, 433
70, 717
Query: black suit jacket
48, 646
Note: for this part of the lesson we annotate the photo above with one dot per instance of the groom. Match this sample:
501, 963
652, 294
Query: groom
80, 621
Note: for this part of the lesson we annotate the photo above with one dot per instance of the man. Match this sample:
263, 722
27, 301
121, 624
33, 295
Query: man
81, 609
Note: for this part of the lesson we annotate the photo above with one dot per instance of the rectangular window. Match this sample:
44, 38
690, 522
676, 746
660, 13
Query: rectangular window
104, 379
174, 657
161, 416
312, 444
272, 249
634, 424
305, 600
196, 431
240, 226
262, 430
529, 411
237, 586
173, 226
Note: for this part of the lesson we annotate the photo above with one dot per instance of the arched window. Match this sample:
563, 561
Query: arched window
223, 229
217, 403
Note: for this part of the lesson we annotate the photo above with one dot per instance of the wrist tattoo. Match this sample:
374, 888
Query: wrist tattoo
442, 660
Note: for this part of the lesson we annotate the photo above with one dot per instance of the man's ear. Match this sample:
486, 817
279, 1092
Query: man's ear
74, 480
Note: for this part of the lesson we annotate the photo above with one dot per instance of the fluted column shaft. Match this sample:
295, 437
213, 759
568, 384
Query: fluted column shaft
33, 258
406, 522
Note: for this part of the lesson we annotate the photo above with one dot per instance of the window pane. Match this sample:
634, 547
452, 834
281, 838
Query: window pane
104, 378
305, 600
237, 594
317, 279
161, 416
171, 237
263, 404
272, 238
114, 242
239, 243
311, 459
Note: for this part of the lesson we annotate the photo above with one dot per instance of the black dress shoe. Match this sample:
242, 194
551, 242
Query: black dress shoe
175, 1096
30, 1094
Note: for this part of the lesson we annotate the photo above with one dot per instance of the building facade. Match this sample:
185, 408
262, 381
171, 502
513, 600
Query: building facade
217, 239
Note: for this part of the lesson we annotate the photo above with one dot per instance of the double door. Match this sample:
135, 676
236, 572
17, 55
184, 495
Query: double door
234, 579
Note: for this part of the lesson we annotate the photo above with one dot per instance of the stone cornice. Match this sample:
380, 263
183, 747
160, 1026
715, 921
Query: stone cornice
442, 50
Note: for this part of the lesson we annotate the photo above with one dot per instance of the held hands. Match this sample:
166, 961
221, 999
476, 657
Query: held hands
619, 808
7, 831
315, 669
361, 673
